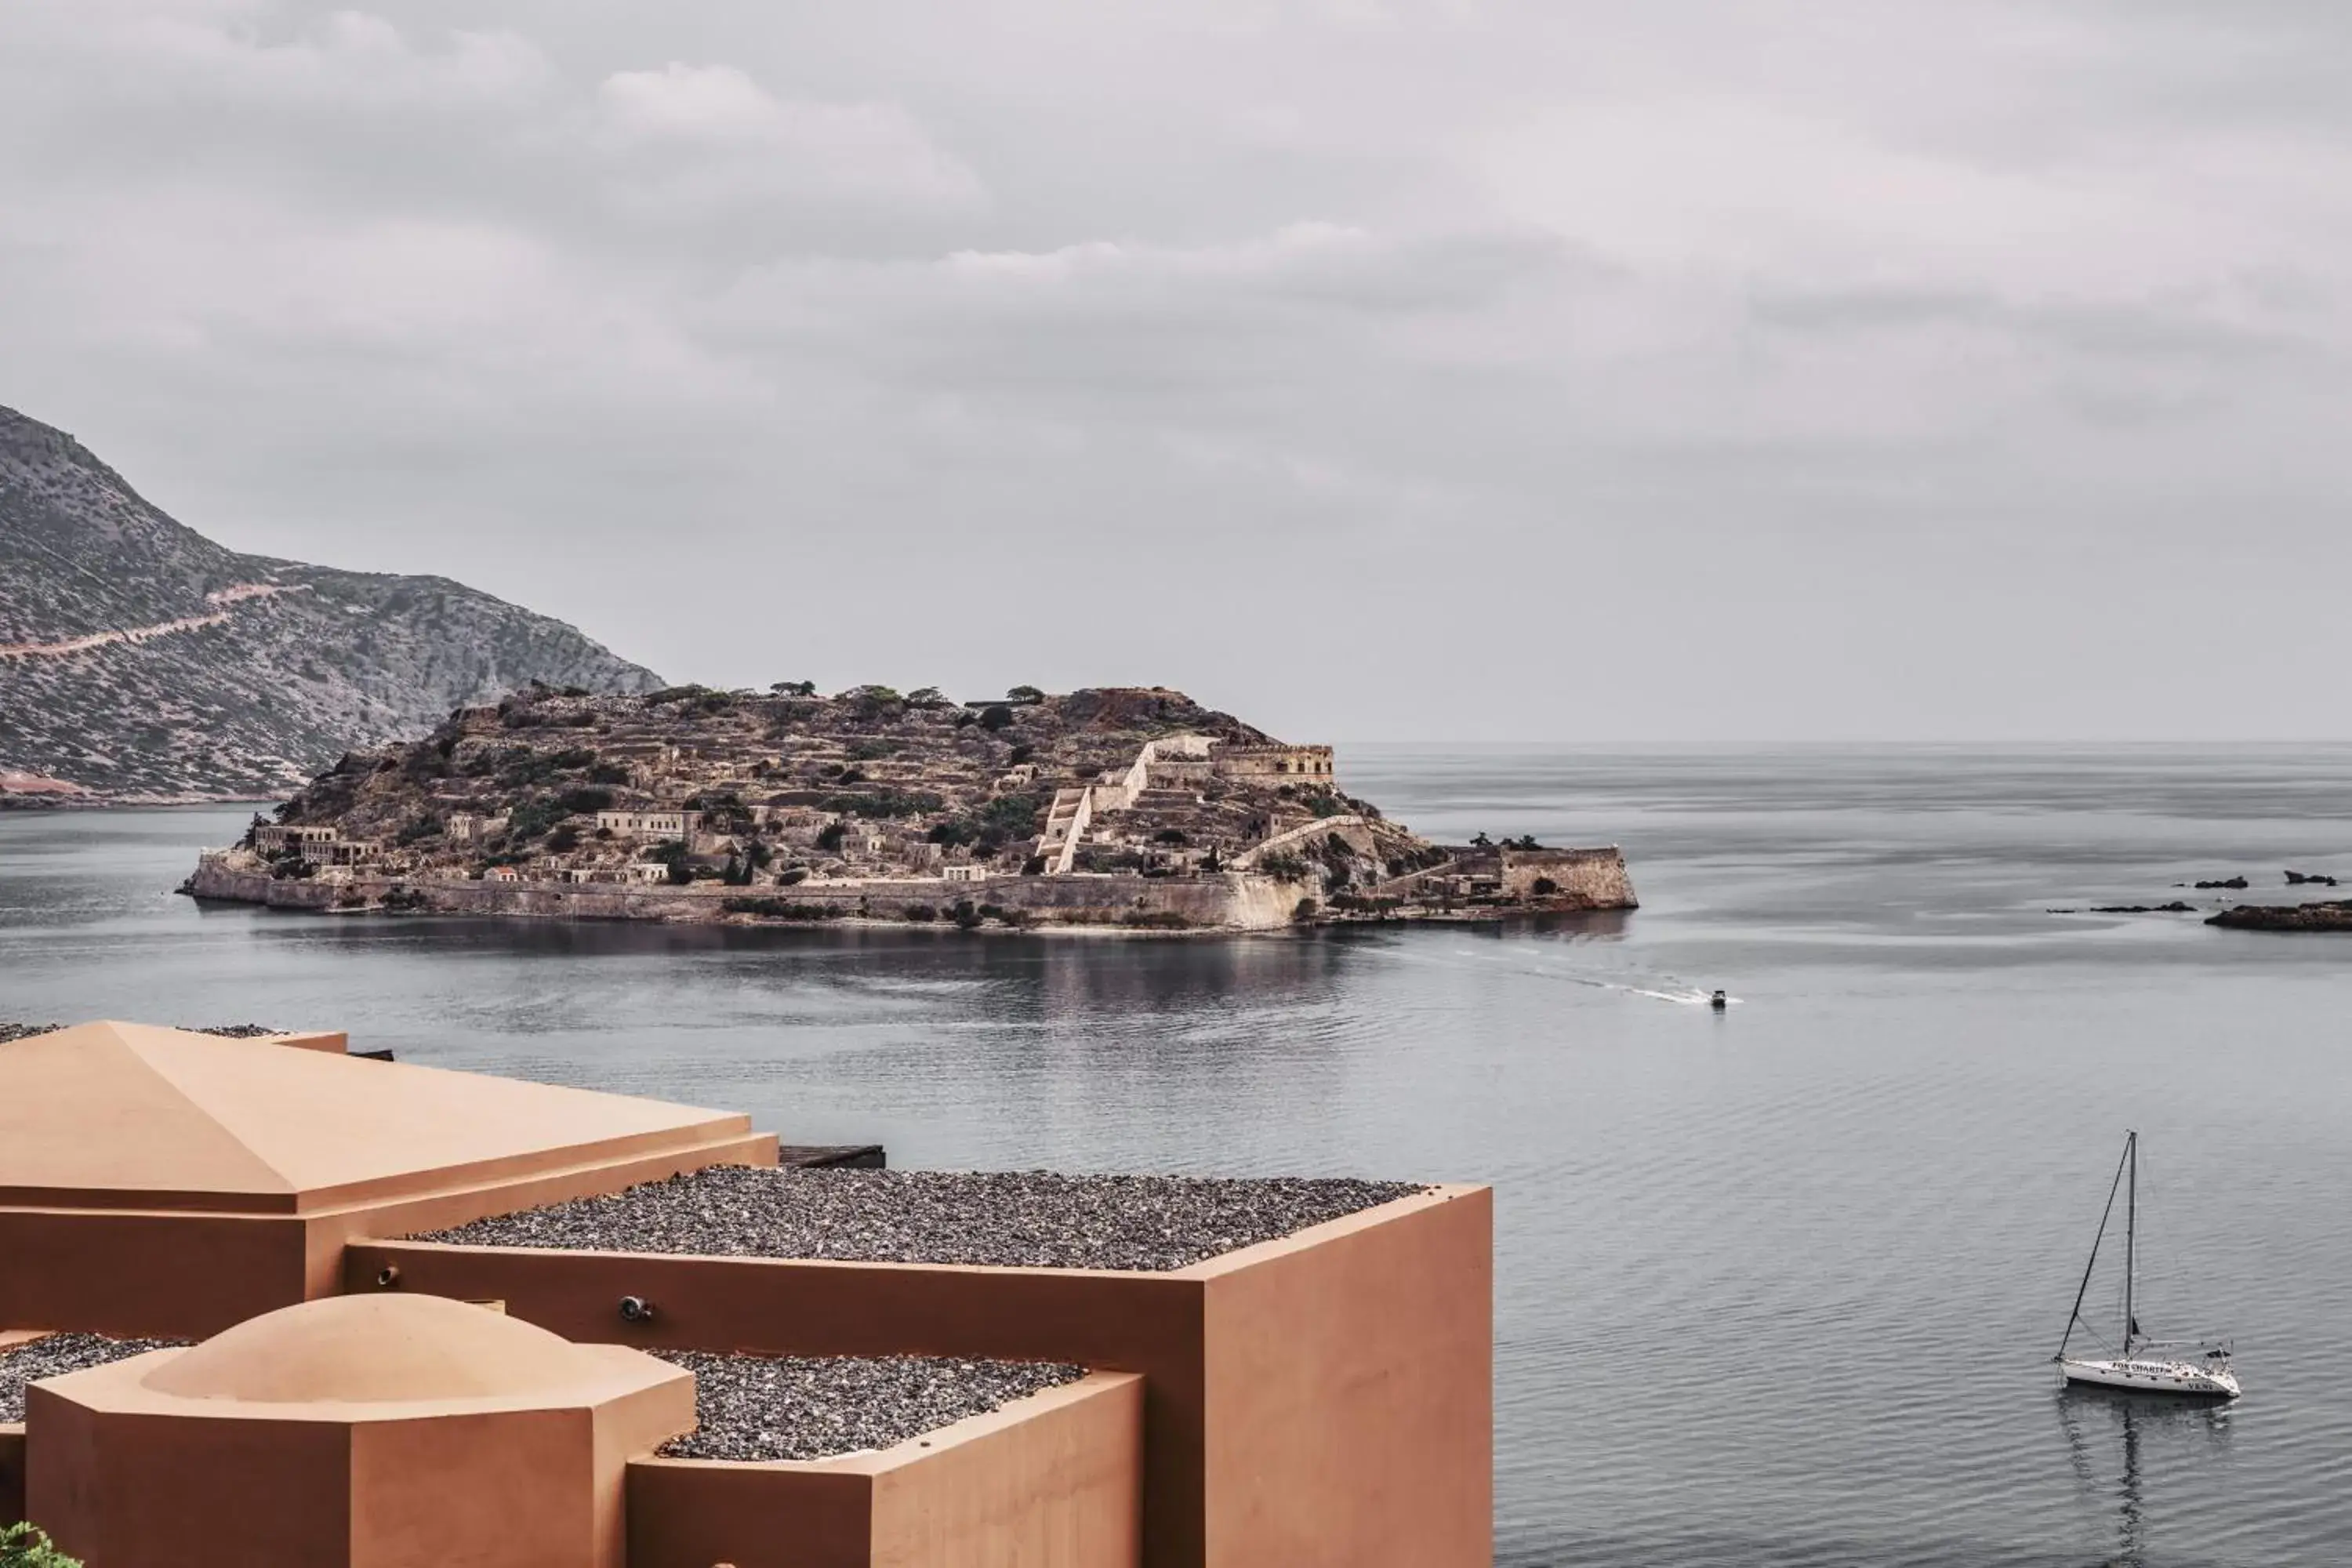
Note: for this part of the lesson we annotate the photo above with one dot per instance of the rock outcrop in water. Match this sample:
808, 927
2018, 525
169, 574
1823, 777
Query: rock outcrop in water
2332, 916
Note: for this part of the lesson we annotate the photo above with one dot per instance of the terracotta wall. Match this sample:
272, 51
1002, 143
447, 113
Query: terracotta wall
12, 1440
689, 1515
12, 1472
275, 1492
1148, 1324
1059, 1485
176, 1275
1053, 1481
327, 1230
333, 1040
1373, 1336
125, 1476
1350, 1395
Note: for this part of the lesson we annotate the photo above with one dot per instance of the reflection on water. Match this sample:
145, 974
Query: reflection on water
2107, 1430
1773, 1287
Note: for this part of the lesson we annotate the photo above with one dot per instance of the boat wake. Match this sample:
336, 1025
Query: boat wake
1680, 996
1683, 998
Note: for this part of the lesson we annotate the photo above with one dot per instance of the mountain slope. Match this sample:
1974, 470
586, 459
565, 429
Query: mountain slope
139, 659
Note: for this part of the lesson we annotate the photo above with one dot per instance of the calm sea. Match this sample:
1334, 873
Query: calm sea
1777, 1287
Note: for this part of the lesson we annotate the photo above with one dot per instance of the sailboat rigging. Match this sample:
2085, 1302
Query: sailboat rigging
2201, 1368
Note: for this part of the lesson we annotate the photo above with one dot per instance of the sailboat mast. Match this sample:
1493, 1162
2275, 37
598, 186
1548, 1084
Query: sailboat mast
2106, 1214
2131, 1243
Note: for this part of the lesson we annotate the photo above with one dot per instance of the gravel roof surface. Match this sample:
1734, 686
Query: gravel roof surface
752, 1408
1034, 1219
235, 1031
59, 1355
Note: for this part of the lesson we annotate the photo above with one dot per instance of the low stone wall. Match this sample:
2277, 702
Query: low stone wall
1233, 901
593, 900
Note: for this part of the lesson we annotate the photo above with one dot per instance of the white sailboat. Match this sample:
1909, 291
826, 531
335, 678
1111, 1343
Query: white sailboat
2200, 1368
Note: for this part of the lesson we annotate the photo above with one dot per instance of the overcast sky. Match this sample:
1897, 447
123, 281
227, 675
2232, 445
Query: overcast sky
1377, 369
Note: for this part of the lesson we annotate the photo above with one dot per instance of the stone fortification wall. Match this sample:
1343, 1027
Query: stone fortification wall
1571, 879
1589, 879
1066, 820
1288, 763
1229, 902
1291, 838
1171, 755
1234, 901
1182, 773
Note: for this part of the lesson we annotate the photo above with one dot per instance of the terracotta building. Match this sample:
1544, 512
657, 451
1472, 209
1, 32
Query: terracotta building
333, 1387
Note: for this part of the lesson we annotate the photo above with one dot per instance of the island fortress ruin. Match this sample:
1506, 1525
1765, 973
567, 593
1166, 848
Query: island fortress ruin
1129, 808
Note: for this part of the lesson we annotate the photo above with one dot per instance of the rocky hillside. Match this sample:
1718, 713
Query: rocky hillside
140, 661
864, 780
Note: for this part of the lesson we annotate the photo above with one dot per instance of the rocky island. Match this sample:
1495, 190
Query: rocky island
1126, 808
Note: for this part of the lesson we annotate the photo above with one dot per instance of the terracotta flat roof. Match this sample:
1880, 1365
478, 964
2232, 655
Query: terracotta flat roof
128, 1116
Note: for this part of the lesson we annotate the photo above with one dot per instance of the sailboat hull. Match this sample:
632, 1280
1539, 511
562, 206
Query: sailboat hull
2151, 1375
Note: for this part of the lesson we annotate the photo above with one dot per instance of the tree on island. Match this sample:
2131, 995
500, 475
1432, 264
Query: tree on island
671, 853
23, 1546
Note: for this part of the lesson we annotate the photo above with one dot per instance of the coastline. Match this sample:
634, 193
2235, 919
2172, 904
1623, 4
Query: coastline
1099, 904
81, 800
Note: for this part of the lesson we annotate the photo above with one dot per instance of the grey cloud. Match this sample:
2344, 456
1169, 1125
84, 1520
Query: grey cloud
1805, 368
2185, 329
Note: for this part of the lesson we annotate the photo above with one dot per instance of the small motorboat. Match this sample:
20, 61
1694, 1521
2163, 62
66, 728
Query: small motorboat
1719, 1002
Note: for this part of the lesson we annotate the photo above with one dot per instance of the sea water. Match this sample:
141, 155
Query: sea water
1776, 1285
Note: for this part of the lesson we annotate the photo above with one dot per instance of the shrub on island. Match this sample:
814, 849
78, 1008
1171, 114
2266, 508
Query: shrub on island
780, 909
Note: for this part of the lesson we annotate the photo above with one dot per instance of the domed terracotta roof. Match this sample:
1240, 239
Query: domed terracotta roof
385, 1347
